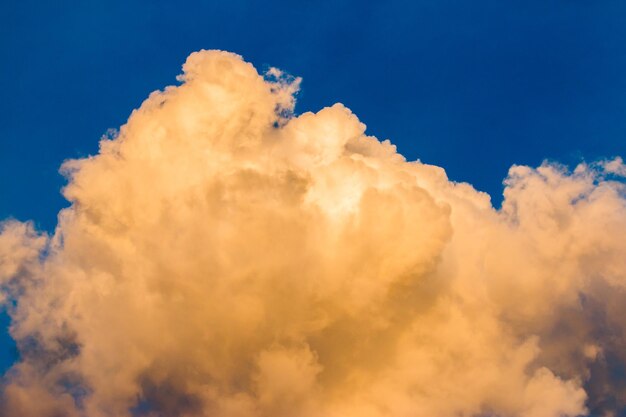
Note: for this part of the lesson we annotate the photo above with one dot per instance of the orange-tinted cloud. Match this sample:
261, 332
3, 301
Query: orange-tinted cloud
222, 257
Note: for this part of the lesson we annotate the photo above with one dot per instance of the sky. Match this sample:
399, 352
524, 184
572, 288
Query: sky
472, 87
501, 82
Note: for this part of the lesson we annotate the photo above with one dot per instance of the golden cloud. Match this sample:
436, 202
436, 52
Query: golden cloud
223, 257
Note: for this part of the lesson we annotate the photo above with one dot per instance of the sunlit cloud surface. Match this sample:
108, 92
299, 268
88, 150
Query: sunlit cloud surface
224, 257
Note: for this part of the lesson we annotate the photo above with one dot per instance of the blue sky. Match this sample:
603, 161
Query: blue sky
472, 86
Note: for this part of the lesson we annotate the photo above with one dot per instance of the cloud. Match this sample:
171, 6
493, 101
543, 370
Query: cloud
222, 257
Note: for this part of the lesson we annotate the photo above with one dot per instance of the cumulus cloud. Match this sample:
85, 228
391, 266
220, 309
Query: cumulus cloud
223, 257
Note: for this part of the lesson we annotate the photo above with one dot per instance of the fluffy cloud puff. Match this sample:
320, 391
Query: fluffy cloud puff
222, 257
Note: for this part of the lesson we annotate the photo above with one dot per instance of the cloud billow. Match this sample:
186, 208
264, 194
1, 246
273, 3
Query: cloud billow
223, 257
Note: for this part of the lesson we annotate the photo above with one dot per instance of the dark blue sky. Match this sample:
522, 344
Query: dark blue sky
473, 86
